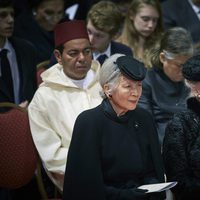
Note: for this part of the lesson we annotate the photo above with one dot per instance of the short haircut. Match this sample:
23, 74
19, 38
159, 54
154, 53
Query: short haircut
110, 73
105, 16
175, 41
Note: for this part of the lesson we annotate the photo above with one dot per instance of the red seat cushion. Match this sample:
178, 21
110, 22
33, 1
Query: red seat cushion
18, 155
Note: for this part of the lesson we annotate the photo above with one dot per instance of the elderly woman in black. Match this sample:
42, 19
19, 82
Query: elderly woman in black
114, 147
181, 147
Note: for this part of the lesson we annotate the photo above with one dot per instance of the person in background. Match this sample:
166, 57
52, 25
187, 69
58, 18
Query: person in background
18, 64
142, 28
181, 146
17, 82
69, 87
37, 24
114, 147
164, 91
184, 13
104, 21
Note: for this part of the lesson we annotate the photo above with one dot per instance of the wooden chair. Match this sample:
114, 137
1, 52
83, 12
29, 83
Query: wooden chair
41, 67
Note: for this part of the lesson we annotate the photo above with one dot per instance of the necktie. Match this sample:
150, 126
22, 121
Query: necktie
6, 71
102, 58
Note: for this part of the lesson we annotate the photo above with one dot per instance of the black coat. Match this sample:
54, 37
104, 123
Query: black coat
180, 13
26, 60
181, 152
109, 155
162, 98
117, 47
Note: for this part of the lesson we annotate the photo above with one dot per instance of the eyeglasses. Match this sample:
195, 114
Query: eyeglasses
50, 15
173, 62
171, 59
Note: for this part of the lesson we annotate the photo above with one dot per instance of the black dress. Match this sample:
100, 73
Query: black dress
181, 152
109, 155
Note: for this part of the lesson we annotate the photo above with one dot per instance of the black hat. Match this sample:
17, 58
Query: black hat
131, 67
191, 68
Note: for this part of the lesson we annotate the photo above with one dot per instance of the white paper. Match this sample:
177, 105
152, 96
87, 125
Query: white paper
158, 187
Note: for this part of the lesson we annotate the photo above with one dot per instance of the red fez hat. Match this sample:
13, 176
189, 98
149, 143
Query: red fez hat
70, 30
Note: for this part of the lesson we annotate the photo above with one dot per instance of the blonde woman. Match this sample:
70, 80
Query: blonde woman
142, 28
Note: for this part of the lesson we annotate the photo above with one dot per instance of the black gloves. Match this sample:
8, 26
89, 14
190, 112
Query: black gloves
132, 194
138, 192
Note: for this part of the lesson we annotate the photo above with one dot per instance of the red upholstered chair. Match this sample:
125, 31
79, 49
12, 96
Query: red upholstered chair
19, 160
18, 155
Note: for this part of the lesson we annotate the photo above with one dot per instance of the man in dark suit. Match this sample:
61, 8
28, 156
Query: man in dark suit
104, 21
21, 60
183, 13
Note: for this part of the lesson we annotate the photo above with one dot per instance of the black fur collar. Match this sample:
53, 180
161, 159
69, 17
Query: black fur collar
194, 105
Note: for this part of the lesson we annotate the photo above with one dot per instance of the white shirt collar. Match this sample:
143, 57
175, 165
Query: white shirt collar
106, 52
7, 46
83, 83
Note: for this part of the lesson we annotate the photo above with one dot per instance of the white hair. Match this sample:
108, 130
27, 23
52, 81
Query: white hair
109, 73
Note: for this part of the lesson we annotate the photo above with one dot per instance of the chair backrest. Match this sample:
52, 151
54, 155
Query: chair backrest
18, 155
41, 67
